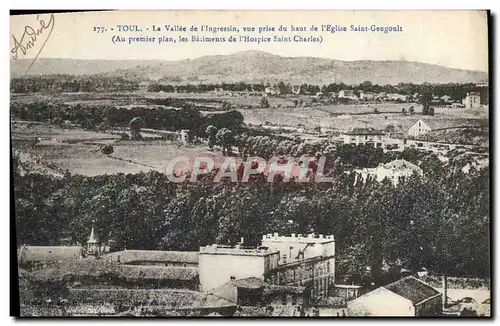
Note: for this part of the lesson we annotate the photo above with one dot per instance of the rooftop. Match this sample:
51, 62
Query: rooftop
401, 165
364, 131
412, 289
439, 123
236, 250
129, 256
48, 253
98, 268
299, 238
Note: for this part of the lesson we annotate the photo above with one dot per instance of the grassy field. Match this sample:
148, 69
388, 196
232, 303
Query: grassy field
54, 150
345, 117
78, 151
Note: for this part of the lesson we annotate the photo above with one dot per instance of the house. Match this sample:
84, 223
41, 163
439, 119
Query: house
419, 128
426, 125
382, 96
366, 96
363, 136
472, 101
348, 94
397, 97
408, 297
272, 91
394, 171
445, 99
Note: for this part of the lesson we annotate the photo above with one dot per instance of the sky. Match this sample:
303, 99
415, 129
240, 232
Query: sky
455, 39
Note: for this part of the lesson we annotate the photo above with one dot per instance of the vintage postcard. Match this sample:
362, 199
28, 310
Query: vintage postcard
251, 163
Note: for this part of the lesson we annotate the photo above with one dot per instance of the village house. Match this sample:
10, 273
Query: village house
366, 96
397, 97
272, 91
426, 125
445, 99
382, 96
394, 171
408, 297
472, 101
419, 128
348, 94
363, 136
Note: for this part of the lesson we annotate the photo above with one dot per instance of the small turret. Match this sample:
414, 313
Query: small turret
93, 244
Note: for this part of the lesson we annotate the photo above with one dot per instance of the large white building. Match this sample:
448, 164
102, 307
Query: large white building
294, 261
393, 171
472, 101
221, 264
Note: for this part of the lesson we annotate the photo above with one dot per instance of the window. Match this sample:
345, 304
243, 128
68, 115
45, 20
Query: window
232, 278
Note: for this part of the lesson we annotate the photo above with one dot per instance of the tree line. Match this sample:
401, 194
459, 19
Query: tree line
69, 83
101, 117
99, 83
440, 221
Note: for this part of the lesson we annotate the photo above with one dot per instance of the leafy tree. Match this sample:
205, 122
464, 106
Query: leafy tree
211, 132
225, 138
264, 102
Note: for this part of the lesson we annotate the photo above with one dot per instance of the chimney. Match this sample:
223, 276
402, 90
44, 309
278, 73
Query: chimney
445, 292
242, 240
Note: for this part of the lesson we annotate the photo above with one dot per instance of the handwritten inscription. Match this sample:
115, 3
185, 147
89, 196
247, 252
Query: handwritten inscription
31, 36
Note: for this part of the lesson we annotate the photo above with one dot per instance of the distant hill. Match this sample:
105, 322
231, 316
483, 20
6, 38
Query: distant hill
257, 66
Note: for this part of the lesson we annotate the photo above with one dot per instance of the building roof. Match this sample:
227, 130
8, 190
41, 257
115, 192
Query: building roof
158, 272
84, 267
439, 124
129, 256
98, 267
168, 298
402, 165
48, 253
364, 131
412, 289
250, 283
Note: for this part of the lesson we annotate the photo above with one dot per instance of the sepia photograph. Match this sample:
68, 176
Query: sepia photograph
258, 164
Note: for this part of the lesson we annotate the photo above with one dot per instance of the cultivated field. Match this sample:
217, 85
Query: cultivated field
345, 117
54, 150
